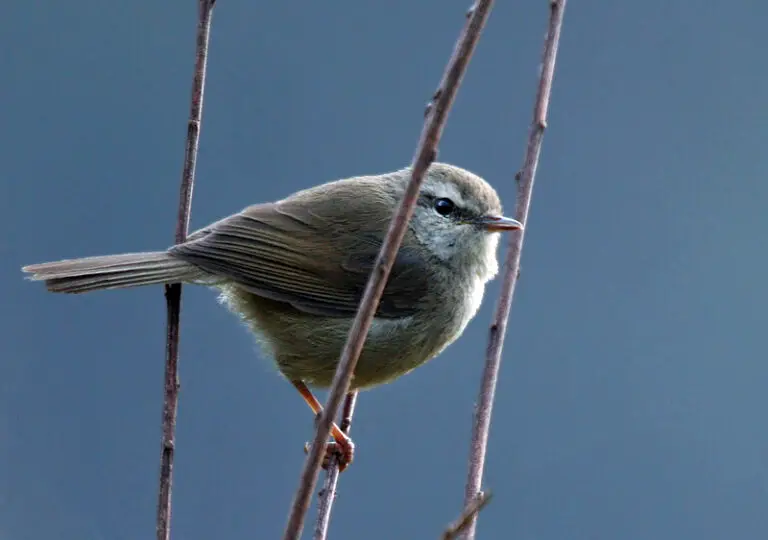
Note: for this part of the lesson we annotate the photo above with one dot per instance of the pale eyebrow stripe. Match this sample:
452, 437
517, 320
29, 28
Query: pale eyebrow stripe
448, 191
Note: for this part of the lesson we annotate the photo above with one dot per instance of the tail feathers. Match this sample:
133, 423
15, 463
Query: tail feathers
112, 272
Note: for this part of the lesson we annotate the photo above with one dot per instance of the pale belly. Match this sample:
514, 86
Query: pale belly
307, 347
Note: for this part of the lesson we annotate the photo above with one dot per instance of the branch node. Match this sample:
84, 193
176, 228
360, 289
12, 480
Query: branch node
470, 511
431, 105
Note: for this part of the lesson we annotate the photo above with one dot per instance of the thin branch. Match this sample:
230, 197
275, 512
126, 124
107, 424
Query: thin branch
525, 179
467, 515
426, 152
173, 292
327, 495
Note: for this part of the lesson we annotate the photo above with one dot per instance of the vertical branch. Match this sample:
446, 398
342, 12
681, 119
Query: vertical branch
525, 178
173, 292
426, 152
328, 493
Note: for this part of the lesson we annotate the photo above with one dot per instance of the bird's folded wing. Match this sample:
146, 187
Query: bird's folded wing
306, 258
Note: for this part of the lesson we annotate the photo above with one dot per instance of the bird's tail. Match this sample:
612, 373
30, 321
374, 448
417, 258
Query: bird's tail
112, 272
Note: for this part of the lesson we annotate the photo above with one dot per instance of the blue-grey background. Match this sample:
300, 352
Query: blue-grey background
632, 399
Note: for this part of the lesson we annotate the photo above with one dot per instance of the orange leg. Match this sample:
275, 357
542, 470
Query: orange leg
343, 444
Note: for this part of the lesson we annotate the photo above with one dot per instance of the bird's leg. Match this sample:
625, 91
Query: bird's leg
343, 445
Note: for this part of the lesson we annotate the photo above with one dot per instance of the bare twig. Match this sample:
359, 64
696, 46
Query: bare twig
467, 515
328, 492
498, 327
426, 152
173, 292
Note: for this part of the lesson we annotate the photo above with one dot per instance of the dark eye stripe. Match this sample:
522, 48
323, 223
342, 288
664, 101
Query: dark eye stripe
428, 200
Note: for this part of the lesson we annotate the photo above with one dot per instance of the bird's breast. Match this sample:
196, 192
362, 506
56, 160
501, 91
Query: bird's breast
307, 347
466, 304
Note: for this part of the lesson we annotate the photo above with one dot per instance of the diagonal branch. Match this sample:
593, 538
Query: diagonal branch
525, 178
467, 515
426, 152
173, 292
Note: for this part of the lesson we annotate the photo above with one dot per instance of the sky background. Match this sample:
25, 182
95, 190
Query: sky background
632, 398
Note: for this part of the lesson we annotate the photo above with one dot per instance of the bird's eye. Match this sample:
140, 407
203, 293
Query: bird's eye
444, 207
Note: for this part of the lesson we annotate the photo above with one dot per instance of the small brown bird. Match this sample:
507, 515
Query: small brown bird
295, 270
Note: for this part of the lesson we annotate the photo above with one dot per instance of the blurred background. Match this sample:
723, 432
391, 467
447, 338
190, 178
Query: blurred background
632, 400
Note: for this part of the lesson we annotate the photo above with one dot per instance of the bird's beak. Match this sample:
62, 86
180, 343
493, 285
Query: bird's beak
498, 223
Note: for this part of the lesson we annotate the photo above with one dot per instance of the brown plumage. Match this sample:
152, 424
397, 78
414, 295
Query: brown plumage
295, 270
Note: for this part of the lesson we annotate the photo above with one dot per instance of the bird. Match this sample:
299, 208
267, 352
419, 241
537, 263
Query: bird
294, 272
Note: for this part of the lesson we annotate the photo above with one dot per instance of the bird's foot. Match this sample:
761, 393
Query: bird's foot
342, 450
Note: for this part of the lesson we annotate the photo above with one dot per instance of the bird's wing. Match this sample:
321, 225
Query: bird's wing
307, 256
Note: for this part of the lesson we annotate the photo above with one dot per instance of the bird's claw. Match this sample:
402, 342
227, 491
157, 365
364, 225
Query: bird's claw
344, 453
